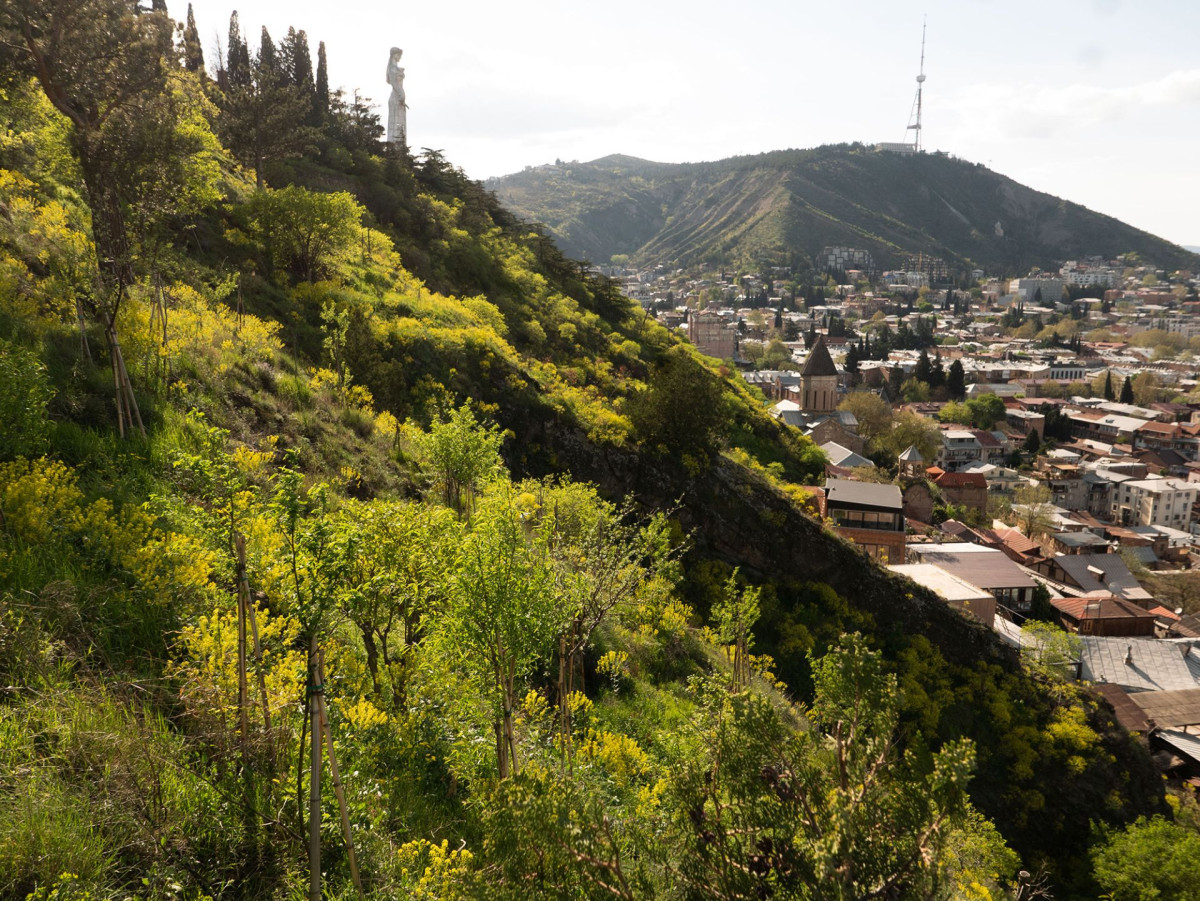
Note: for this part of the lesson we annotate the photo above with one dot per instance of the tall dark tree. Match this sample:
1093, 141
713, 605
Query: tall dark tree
937, 372
956, 381
302, 67
924, 367
1127, 391
322, 104
237, 71
193, 50
159, 6
263, 118
268, 62
1109, 393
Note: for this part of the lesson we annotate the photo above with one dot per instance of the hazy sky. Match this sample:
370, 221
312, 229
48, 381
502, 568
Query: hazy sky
1096, 101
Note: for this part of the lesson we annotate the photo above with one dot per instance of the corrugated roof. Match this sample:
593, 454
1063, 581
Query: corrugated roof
1169, 709
844, 457
1093, 608
945, 585
961, 480
1157, 664
819, 362
866, 494
1185, 744
1102, 572
987, 568
1128, 713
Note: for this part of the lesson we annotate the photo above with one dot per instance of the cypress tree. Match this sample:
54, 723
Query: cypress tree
193, 50
924, 367
302, 68
1109, 394
158, 6
237, 65
322, 83
956, 381
1127, 391
267, 61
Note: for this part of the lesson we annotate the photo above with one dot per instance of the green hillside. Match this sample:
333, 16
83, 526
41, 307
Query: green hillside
355, 454
781, 208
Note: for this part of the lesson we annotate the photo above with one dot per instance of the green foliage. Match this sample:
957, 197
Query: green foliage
303, 233
501, 616
463, 455
682, 411
1151, 859
815, 813
24, 394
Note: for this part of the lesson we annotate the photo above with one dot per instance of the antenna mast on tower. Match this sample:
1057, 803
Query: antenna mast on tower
914, 120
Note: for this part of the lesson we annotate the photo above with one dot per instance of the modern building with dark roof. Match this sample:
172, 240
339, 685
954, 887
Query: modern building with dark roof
869, 514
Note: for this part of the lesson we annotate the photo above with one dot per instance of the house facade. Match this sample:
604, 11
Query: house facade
869, 514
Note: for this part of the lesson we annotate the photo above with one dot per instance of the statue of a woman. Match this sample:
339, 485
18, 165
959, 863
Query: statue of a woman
397, 130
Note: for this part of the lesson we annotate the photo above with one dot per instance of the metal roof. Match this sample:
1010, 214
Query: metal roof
1157, 664
1169, 709
987, 568
864, 494
1102, 572
945, 585
1186, 744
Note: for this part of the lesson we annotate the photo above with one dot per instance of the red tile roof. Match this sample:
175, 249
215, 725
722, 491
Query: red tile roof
1102, 607
960, 480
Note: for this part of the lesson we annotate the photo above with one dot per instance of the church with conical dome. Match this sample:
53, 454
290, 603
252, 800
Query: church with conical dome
819, 380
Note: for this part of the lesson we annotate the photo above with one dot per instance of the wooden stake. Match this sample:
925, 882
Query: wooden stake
239, 542
315, 688
337, 782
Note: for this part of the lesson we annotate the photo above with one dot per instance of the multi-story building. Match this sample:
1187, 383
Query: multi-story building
1154, 502
1047, 290
843, 259
870, 514
959, 448
713, 334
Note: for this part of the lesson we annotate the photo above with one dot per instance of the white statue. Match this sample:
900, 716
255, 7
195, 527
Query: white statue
397, 130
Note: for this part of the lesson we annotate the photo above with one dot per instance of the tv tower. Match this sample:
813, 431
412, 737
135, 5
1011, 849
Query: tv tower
914, 119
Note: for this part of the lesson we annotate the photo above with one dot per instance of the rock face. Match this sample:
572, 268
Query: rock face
784, 207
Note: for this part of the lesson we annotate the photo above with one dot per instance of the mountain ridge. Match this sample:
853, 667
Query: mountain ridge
781, 207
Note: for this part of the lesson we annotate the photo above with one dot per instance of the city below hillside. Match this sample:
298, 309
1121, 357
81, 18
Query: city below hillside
834, 538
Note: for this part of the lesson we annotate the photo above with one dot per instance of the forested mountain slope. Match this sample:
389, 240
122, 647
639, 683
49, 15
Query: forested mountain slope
546, 569
781, 208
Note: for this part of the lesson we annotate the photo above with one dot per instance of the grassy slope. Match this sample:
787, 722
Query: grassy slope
550, 387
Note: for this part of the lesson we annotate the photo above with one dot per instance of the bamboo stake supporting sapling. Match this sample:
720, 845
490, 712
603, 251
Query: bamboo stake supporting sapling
337, 782
315, 688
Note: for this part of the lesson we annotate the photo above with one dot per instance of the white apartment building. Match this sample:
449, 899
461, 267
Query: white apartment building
1051, 289
1082, 275
1154, 502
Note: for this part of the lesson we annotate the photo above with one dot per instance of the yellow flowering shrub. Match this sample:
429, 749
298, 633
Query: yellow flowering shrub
39, 498
434, 872
207, 668
619, 755
362, 714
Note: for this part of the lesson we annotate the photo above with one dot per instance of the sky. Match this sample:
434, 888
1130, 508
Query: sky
1094, 101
